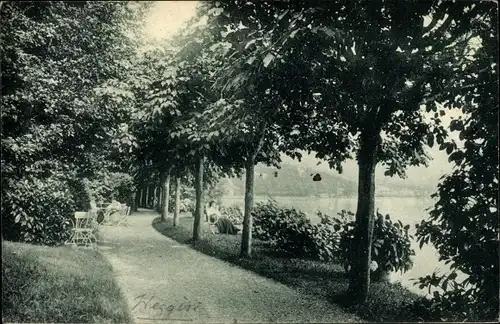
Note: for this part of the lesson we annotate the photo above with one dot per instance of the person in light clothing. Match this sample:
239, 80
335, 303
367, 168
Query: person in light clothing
113, 209
213, 213
219, 223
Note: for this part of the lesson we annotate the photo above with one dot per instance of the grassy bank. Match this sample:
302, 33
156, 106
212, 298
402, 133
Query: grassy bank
386, 301
59, 284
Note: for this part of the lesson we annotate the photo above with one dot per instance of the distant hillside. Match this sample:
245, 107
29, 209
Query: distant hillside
294, 180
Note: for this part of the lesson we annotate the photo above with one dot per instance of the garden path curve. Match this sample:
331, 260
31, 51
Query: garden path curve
167, 282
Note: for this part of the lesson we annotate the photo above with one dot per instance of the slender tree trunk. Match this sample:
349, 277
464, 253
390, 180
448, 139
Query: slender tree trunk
198, 214
133, 200
177, 200
147, 197
360, 268
162, 202
205, 215
140, 198
246, 236
166, 194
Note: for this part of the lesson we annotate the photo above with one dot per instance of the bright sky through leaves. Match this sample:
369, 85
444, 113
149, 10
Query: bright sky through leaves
167, 17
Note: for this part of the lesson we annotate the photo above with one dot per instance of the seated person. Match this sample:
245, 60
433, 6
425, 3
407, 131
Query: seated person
225, 226
114, 207
212, 213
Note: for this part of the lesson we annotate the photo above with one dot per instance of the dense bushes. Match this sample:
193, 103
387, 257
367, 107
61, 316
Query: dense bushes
37, 211
290, 231
107, 186
327, 235
187, 197
233, 213
391, 247
331, 238
271, 220
451, 301
61, 120
81, 193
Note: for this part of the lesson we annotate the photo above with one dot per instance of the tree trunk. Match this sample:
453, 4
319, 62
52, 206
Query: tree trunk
199, 199
360, 268
208, 197
166, 194
140, 198
177, 200
246, 236
133, 200
161, 201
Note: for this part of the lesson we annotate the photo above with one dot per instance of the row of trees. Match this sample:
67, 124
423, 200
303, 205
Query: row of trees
246, 81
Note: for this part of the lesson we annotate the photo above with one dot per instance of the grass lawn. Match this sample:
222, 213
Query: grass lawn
59, 284
328, 280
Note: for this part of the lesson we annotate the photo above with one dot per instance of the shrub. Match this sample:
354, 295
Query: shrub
122, 185
287, 229
448, 305
296, 238
37, 211
326, 238
186, 205
331, 239
391, 247
187, 197
112, 185
81, 193
291, 231
270, 220
233, 213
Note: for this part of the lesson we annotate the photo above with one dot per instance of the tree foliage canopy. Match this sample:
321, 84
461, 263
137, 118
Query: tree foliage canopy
463, 225
65, 100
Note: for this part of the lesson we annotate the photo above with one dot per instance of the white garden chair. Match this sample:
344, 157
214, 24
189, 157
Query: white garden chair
124, 213
84, 229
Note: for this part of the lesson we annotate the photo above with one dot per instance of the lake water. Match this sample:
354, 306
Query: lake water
409, 210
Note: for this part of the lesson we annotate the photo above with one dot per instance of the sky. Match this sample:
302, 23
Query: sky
167, 17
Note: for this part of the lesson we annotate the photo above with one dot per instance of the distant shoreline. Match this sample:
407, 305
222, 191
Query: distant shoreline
426, 196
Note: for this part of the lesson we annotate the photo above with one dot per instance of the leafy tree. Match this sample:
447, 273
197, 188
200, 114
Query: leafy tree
172, 139
352, 77
64, 107
154, 121
203, 143
237, 122
463, 225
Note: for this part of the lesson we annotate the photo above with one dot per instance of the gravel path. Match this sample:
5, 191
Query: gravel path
166, 282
